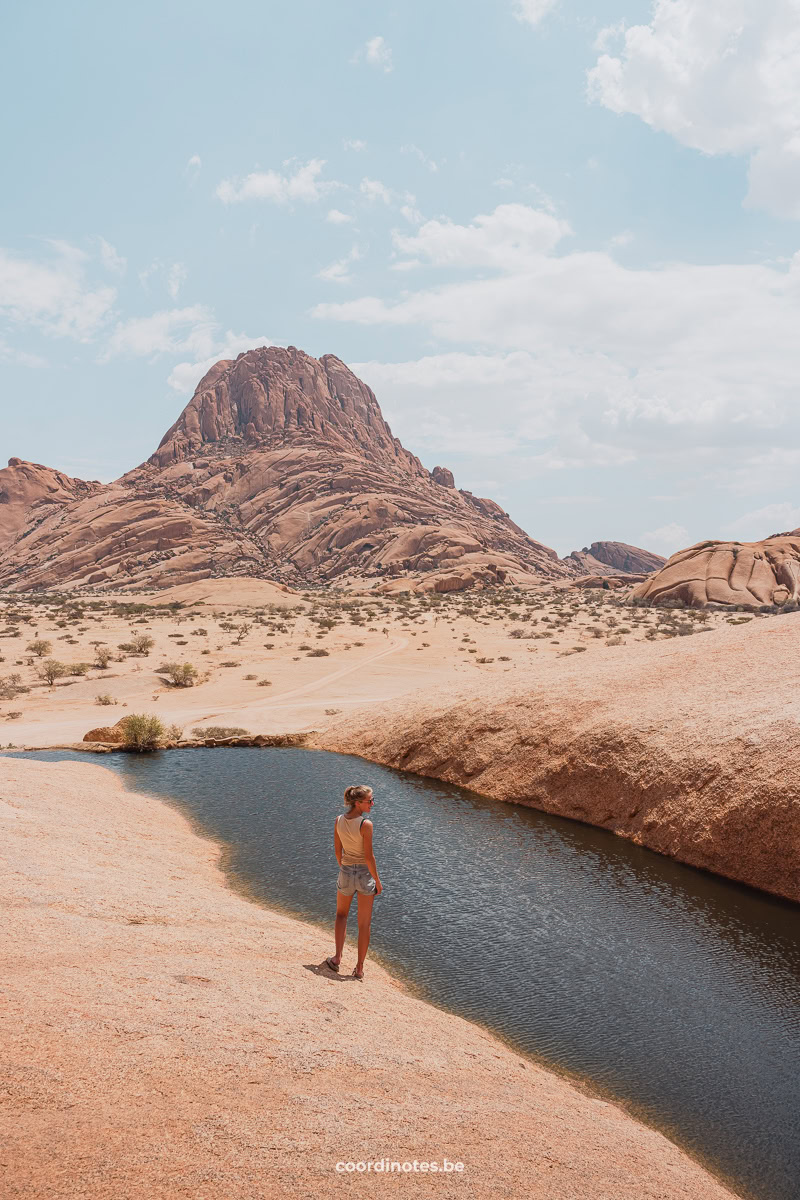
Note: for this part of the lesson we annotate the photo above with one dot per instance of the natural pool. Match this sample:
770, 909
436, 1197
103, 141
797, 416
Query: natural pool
675, 991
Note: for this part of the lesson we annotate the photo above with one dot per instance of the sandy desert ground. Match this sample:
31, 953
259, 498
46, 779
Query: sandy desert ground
164, 1037
269, 661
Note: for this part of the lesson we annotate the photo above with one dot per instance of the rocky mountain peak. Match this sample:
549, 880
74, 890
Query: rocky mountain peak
274, 395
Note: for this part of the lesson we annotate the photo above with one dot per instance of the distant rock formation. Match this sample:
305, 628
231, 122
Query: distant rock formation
29, 491
613, 558
734, 573
281, 467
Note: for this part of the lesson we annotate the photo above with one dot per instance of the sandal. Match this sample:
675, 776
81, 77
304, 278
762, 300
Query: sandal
333, 966
357, 974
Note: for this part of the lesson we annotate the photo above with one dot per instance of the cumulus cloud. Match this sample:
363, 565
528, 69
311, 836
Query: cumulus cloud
503, 239
376, 52
339, 271
185, 376
354, 144
303, 183
335, 217
532, 12
54, 295
172, 331
667, 539
584, 360
373, 189
721, 76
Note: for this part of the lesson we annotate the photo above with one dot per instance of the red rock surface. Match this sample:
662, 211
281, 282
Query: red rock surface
749, 573
690, 747
613, 558
30, 492
281, 467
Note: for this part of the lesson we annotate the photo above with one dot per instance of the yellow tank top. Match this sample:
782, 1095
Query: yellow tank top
352, 839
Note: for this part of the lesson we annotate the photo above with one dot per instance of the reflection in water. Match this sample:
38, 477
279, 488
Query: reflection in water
675, 991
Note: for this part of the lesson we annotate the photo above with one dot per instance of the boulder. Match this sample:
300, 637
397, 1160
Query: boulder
752, 574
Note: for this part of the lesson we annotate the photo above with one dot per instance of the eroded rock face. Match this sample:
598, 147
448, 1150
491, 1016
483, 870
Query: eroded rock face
281, 467
612, 558
29, 491
687, 746
750, 573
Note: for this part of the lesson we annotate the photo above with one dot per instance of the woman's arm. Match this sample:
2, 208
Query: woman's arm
337, 843
366, 833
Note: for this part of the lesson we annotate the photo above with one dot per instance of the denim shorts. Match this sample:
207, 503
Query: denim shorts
355, 878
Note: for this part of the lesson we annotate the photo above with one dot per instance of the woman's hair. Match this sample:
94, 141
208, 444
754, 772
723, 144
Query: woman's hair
352, 795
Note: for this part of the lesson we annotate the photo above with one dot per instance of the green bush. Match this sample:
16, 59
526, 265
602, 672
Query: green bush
51, 670
40, 647
180, 674
220, 731
143, 733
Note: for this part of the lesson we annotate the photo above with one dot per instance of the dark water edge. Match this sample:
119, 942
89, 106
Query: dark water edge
674, 993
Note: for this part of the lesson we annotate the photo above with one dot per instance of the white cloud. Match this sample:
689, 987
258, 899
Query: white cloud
302, 184
354, 144
185, 376
667, 538
54, 296
335, 217
171, 275
111, 260
772, 518
373, 189
173, 331
339, 271
621, 239
585, 360
721, 76
19, 358
194, 163
377, 53
532, 12
430, 163
503, 239
176, 277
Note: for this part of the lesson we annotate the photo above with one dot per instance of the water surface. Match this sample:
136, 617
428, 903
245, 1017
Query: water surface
674, 991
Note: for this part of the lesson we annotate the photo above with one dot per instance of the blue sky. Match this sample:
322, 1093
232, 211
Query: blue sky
555, 237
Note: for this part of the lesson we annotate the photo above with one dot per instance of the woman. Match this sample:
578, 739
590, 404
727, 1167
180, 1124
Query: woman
352, 841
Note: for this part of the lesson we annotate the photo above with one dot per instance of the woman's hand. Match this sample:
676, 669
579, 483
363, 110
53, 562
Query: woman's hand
378, 887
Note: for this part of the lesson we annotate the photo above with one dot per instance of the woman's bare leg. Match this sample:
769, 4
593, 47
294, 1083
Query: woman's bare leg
364, 926
340, 924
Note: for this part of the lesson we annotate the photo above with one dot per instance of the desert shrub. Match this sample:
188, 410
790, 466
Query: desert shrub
318, 653
304, 646
51, 670
79, 668
331, 712
251, 677
230, 664
143, 733
483, 660
180, 674
503, 658
102, 657
12, 686
12, 716
104, 698
264, 682
220, 731
39, 647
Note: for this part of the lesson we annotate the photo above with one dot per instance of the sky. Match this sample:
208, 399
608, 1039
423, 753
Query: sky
559, 239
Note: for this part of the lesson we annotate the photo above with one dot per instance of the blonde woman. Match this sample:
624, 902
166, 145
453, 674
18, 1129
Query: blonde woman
352, 841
